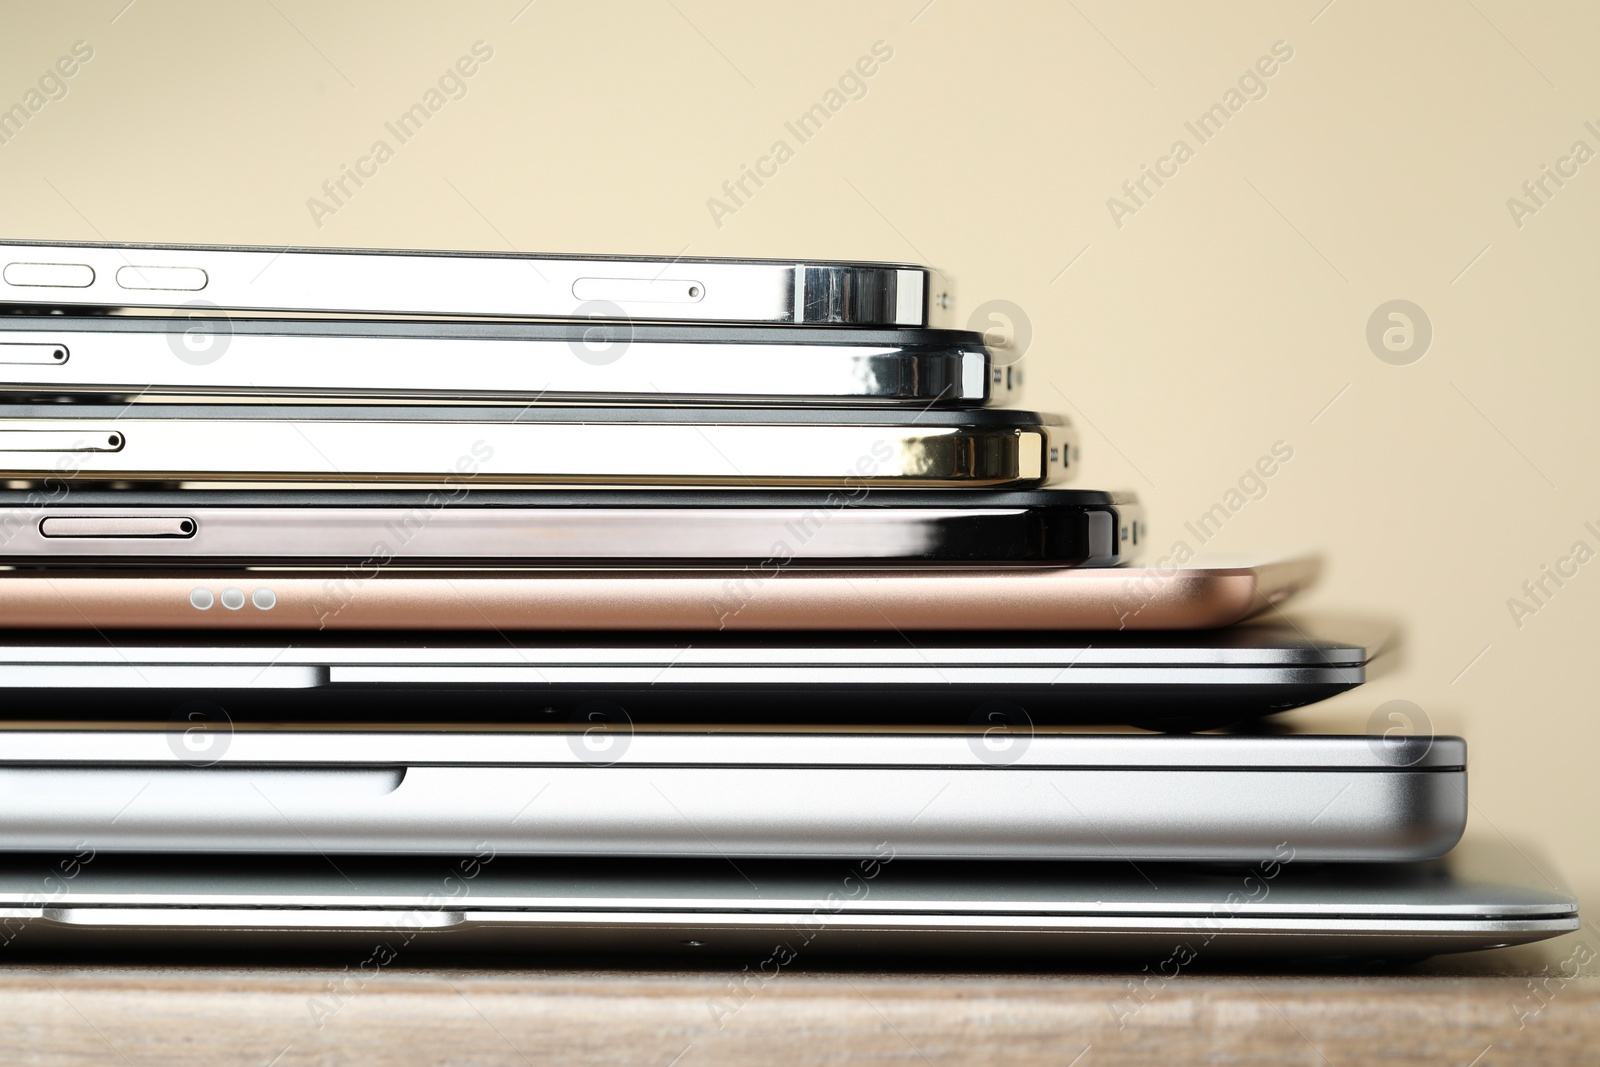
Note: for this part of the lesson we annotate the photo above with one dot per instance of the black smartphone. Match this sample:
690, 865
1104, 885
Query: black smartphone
465, 526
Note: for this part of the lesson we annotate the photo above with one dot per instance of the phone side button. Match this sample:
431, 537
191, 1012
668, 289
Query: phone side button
180, 279
87, 440
50, 275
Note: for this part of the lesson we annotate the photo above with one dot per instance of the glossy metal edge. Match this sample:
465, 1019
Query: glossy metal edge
250, 364
459, 453
394, 282
263, 536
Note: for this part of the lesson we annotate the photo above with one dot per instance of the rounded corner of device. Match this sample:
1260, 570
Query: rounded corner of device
1437, 824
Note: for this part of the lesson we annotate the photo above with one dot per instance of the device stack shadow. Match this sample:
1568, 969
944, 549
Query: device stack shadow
508, 606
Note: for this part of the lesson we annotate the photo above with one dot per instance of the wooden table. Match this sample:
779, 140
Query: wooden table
1528, 1005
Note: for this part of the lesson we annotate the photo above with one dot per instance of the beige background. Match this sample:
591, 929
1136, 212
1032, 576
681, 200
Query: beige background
1226, 314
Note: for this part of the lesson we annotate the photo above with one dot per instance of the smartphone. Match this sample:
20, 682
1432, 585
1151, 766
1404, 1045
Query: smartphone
250, 360
274, 527
772, 595
458, 447
73, 275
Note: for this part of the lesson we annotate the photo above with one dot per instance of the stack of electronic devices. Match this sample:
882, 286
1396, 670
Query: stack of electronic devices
557, 605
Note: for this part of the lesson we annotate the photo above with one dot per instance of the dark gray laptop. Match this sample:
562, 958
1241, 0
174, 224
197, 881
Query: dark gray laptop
1185, 680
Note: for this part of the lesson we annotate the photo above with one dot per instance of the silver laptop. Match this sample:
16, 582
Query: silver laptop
148, 359
611, 790
771, 916
1166, 680
70, 275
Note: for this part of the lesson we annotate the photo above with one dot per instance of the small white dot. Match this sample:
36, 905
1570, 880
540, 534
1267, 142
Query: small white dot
201, 597
233, 598
264, 598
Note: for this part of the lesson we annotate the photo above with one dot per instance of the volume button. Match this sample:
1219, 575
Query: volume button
179, 279
50, 275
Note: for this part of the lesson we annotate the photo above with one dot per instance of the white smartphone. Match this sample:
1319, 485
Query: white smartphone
360, 281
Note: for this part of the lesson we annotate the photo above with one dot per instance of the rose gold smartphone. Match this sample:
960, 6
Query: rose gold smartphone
768, 596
